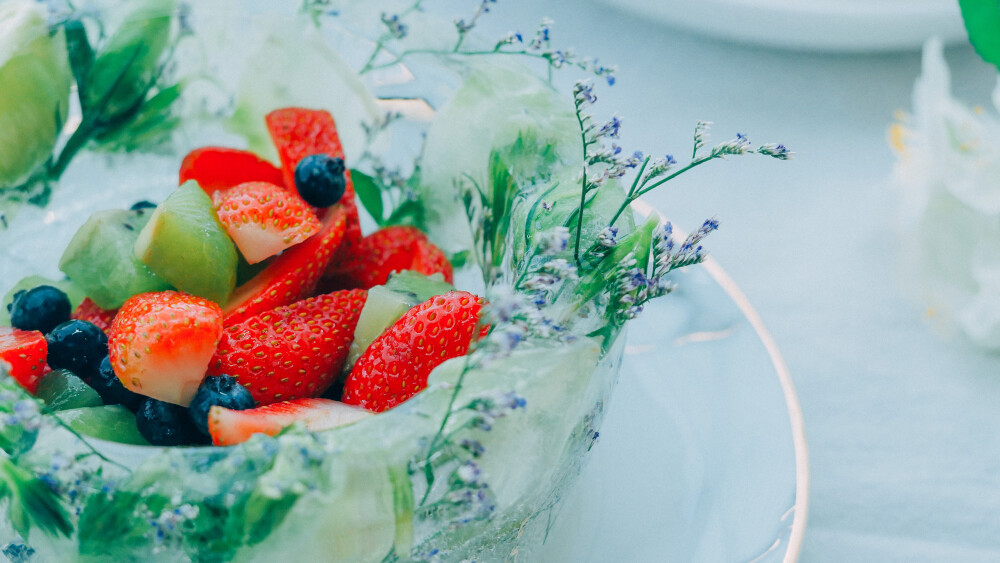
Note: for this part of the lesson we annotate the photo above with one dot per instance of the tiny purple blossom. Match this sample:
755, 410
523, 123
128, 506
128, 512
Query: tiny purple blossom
778, 151
395, 25
608, 238
611, 128
583, 93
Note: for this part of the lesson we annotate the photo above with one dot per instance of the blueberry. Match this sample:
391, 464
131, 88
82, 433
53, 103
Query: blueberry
39, 308
320, 179
166, 424
78, 346
110, 388
218, 390
143, 204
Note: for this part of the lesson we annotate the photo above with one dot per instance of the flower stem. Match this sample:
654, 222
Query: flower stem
644, 189
436, 441
638, 177
76, 141
380, 44
583, 189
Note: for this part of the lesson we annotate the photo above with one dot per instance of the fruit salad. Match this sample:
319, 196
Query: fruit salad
168, 331
261, 335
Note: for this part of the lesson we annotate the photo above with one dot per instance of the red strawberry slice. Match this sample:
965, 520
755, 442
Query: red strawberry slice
264, 219
293, 351
352, 231
383, 252
229, 427
218, 168
395, 367
292, 275
92, 313
298, 133
160, 344
24, 351
429, 259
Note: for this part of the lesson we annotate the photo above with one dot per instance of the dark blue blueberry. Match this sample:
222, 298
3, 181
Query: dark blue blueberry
78, 346
110, 388
218, 390
143, 204
39, 308
166, 424
320, 179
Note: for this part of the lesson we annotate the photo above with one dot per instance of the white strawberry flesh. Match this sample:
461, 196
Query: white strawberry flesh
160, 344
264, 219
229, 427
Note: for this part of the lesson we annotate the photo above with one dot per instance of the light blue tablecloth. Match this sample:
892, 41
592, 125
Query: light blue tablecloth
902, 423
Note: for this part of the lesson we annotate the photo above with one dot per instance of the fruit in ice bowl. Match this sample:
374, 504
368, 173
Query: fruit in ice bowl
350, 344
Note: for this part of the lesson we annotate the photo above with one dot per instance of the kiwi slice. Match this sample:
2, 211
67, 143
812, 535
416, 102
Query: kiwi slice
114, 423
185, 244
71, 290
100, 258
387, 303
61, 390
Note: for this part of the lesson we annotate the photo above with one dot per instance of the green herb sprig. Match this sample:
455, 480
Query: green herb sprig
125, 99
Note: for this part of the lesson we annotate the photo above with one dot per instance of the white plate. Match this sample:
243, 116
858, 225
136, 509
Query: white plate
822, 25
702, 455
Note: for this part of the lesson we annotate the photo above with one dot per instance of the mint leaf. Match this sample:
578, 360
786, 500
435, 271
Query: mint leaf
504, 189
149, 128
81, 55
459, 258
370, 194
263, 513
982, 20
410, 212
127, 66
32, 503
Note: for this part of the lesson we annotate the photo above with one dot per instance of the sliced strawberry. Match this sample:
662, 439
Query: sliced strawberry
229, 427
160, 344
218, 168
92, 313
298, 133
24, 351
292, 275
264, 219
396, 365
352, 230
293, 351
388, 250
429, 259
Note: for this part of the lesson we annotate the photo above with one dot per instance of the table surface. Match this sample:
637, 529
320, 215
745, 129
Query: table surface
901, 420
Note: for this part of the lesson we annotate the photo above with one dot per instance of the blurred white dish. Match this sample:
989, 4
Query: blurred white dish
820, 25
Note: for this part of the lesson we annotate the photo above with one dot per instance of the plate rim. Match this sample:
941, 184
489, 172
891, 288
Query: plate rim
800, 507
829, 20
